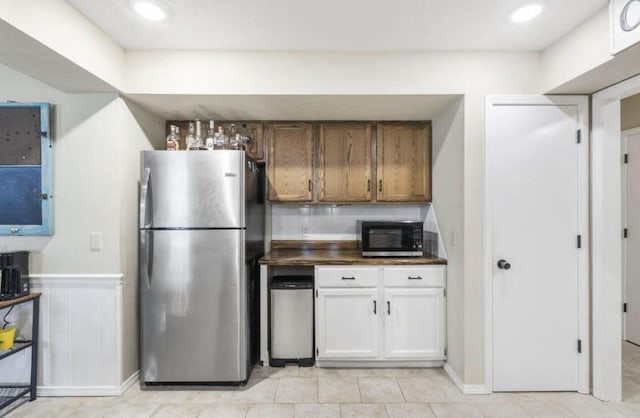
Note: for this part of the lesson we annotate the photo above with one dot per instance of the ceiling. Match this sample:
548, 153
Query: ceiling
337, 25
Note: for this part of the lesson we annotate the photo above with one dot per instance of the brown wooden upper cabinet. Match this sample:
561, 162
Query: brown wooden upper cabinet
290, 161
403, 151
344, 162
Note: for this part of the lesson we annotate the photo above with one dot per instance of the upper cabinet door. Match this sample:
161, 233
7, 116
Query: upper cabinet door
344, 162
255, 149
290, 162
404, 162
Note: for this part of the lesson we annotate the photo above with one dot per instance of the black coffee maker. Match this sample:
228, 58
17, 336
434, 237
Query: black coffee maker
14, 275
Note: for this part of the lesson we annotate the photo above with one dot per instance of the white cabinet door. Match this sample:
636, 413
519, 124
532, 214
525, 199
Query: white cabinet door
414, 323
347, 323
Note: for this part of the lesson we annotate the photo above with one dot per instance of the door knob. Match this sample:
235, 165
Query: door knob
503, 264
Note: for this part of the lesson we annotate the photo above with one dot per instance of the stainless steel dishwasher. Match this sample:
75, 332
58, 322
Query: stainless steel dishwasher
291, 321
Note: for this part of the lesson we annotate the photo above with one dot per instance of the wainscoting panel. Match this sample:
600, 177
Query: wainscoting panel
81, 334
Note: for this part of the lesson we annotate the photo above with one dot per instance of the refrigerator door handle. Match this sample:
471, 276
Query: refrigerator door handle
146, 242
144, 191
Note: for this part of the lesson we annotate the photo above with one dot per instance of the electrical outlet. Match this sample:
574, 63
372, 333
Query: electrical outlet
453, 239
304, 228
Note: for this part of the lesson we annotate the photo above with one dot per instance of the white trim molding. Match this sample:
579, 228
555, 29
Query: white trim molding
465, 389
81, 341
606, 258
52, 391
80, 280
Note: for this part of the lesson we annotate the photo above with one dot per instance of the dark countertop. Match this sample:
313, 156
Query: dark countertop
310, 253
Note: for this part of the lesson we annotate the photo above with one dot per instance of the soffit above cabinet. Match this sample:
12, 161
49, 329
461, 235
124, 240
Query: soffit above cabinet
296, 107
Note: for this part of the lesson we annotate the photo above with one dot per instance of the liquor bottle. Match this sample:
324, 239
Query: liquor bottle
199, 144
178, 138
232, 137
209, 141
191, 138
244, 136
221, 141
172, 139
236, 143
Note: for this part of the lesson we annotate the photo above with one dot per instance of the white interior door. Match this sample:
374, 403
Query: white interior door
537, 179
631, 249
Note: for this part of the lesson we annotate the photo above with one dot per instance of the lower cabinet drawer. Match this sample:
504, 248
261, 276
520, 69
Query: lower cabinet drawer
337, 276
414, 276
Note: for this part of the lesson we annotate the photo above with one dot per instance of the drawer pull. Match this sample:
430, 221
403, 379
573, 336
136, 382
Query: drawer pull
374, 307
415, 278
388, 308
348, 278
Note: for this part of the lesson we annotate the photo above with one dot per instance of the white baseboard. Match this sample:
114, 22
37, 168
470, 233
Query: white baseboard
53, 391
379, 363
130, 382
465, 389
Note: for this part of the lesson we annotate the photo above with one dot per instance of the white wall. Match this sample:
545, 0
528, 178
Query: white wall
630, 112
62, 29
96, 164
580, 61
448, 201
139, 130
579, 51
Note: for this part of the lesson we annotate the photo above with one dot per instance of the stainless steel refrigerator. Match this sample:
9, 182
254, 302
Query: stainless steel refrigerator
201, 234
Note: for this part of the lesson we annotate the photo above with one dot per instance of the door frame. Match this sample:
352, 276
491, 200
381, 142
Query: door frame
583, 256
606, 225
624, 138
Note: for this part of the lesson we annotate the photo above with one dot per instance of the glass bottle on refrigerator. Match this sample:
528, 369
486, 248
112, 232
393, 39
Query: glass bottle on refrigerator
190, 139
210, 140
172, 139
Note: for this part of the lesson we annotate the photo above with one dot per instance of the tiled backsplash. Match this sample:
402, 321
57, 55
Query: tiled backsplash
333, 222
338, 222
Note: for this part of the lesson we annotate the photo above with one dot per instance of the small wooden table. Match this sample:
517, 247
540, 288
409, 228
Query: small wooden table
10, 393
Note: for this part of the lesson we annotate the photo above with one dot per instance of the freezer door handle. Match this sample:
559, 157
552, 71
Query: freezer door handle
146, 244
144, 194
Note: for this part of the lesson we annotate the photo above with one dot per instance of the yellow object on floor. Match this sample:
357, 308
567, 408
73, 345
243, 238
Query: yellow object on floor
6, 337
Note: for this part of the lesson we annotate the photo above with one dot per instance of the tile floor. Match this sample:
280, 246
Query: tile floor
342, 393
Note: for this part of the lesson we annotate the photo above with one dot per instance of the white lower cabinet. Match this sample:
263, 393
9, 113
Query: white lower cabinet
414, 323
380, 313
348, 327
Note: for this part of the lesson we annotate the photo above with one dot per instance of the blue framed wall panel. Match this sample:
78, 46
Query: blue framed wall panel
26, 169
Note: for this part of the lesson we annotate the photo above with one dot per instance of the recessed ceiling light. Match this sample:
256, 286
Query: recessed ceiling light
526, 13
149, 10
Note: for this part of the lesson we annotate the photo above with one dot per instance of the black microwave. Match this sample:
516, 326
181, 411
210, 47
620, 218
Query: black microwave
390, 238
